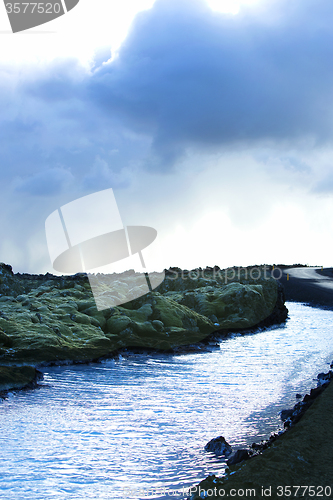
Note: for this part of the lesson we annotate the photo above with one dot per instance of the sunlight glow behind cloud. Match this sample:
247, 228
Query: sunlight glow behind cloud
90, 26
84, 30
230, 6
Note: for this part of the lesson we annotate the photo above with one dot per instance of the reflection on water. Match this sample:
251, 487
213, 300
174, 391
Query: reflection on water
142, 422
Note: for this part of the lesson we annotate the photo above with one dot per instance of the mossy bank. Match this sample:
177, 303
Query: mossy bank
52, 319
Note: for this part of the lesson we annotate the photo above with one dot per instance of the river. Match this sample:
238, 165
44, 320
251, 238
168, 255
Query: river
108, 430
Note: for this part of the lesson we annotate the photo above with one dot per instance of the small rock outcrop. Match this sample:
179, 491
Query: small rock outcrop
238, 457
284, 414
219, 446
18, 377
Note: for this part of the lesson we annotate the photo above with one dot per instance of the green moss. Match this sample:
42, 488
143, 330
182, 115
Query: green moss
235, 305
16, 377
57, 320
117, 323
169, 312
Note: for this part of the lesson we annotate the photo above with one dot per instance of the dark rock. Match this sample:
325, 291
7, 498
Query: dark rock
287, 423
291, 417
238, 457
280, 311
5, 340
314, 393
7, 268
285, 414
219, 446
298, 396
324, 377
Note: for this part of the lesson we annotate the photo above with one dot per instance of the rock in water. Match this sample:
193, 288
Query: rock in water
219, 446
284, 414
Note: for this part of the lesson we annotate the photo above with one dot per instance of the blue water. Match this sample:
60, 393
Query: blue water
120, 429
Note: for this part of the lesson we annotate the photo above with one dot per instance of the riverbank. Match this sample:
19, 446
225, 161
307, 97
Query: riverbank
48, 319
17, 378
303, 455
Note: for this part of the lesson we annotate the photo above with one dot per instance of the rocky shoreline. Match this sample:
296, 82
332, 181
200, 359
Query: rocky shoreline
47, 319
15, 378
295, 461
288, 458
289, 417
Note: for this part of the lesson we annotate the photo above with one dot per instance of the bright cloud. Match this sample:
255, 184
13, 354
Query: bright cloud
231, 6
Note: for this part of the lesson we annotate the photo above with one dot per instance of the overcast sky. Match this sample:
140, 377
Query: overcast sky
215, 128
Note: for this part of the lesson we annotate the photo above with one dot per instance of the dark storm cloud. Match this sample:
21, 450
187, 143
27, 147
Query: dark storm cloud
186, 80
51, 139
187, 75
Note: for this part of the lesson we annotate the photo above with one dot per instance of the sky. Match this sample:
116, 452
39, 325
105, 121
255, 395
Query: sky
212, 121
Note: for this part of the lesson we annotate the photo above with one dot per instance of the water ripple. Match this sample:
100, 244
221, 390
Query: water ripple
142, 422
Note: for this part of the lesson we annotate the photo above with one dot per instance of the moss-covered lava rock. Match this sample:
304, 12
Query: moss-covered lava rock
18, 377
53, 319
